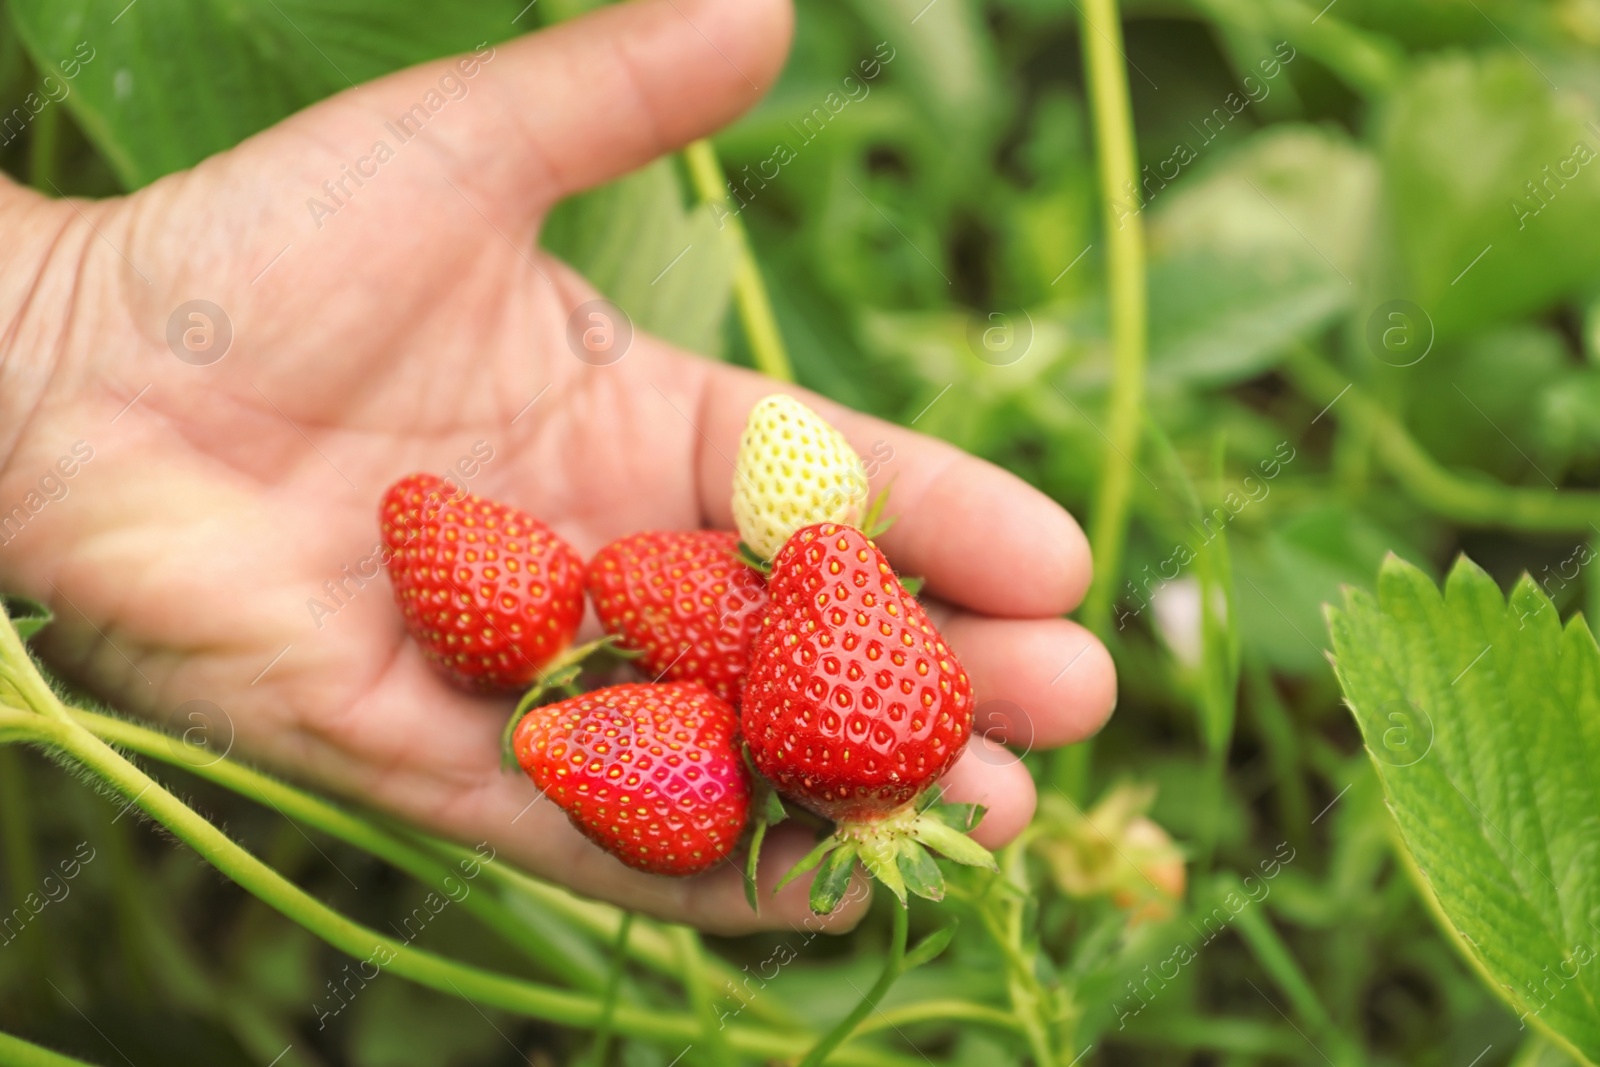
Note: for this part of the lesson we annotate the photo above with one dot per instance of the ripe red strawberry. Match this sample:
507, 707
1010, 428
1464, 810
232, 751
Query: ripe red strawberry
855, 706
685, 602
651, 773
489, 592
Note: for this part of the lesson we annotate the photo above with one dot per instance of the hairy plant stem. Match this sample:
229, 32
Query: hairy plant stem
891, 970
749, 288
1468, 500
1003, 918
346, 827
430, 861
608, 1004
466, 982
1101, 34
692, 960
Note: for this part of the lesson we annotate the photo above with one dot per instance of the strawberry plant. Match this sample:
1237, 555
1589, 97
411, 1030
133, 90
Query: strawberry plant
1294, 306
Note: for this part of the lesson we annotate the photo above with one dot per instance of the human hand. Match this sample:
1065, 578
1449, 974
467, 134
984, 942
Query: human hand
415, 322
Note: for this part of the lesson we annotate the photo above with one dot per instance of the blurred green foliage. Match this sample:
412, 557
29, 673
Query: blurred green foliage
1303, 171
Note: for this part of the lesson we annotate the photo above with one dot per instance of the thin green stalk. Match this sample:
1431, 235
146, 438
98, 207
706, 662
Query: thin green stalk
749, 288
945, 1012
1367, 62
1468, 500
1028, 999
44, 147
427, 969
608, 1005
649, 945
1125, 266
693, 961
1276, 959
353, 830
15, 1052
431, 860
869, 1003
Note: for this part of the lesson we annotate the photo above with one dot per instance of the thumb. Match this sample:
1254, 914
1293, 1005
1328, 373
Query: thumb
569, 107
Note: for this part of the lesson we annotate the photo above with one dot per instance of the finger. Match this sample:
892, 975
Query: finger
990, 774
1039, 683
982, 537
527, 122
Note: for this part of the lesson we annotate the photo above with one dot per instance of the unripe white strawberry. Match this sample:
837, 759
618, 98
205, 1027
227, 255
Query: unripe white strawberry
793, 470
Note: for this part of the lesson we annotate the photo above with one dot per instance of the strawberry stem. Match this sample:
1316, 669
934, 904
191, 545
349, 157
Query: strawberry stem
559, 676
892, 969
608, 1005
750, 558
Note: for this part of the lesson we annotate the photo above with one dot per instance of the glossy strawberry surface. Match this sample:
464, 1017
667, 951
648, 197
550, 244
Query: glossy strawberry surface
489, 592
684, 601
651, 773
854, 703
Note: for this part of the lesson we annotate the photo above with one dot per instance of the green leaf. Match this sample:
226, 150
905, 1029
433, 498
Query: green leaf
1460, 144
666, 265
929, 948
833, 878
245, 64
28, 616
1483, 720
1262, 246
913, 584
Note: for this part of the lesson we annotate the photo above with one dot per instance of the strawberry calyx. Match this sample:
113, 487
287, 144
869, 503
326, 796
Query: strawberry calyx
896, 849
559, 679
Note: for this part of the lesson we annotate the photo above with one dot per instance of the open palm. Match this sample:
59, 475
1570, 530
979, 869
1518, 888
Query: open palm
415, 326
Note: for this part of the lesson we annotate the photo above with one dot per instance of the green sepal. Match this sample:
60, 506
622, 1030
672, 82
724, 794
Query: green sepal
27, 615
912, 584
927, 798
928, 949
772, 809
962, 817
751, 894
748, 557
873, 524
812, 858
922, 875
833, 878
769, 810
952, 844
881, 856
